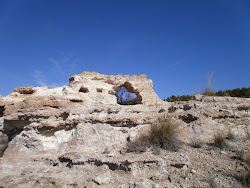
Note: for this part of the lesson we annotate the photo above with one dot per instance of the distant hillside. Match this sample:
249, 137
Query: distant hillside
243, 93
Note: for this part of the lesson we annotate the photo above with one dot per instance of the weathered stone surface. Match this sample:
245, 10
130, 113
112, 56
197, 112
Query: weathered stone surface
3, 142
76, 136
102, 88
25, 90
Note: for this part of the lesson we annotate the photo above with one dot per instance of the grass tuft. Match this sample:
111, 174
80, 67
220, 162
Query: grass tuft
247, 168
137, 146
219, 139
230, 135
163, 134
196, 143
209, 91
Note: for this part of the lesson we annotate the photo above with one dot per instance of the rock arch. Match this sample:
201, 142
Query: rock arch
139, 85
130, 99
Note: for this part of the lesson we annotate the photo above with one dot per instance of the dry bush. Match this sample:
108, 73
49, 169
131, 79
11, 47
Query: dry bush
163, 134
247, 132
230, 135
247, 169
209, 91
219, 139
196, 143
240, 155
138, 146
211, 182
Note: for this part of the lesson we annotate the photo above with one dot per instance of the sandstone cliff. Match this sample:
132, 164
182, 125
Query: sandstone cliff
77, 135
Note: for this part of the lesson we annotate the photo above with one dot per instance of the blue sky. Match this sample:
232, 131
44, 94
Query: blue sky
175, 43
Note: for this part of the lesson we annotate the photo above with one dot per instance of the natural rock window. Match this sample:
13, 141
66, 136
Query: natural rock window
126, 95
84, 90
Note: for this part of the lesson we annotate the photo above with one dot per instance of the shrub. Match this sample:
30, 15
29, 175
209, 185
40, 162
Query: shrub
247, 169
195, 143
219, 139
163, 134
173, 98
239, 155
209, 91
230, 135
138, 146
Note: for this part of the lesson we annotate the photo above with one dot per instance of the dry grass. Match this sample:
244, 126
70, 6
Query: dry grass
230, 135
247, 169
209, 91
196, 143
137, 146
219, 139
163, 134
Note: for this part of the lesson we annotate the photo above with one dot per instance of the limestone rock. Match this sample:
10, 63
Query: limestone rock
197, 97
3, 142
78, 135
25, 90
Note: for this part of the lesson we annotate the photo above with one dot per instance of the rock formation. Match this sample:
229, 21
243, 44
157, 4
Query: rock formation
76, 136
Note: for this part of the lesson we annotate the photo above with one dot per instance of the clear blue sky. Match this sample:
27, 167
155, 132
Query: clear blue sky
175, 43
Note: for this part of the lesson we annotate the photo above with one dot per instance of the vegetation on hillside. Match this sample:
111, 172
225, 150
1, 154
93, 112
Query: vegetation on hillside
243, 93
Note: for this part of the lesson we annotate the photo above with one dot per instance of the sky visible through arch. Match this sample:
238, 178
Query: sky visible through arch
175, 43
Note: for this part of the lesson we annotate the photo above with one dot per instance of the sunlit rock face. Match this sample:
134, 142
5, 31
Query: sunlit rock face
95, 88
36, 119
77, 135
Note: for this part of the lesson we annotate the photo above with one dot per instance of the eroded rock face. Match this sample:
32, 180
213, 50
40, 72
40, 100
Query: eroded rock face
102, 88
25, 90
41, 119
53, 134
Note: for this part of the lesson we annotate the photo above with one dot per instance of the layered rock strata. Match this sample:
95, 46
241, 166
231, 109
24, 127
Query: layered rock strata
77, 135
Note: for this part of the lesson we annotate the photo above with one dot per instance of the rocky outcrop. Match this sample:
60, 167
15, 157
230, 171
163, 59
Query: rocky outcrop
77, 135
93, 88
24, 90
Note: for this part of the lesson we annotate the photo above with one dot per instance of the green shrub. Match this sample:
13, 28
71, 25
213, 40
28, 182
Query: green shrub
243, 92
178, 98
